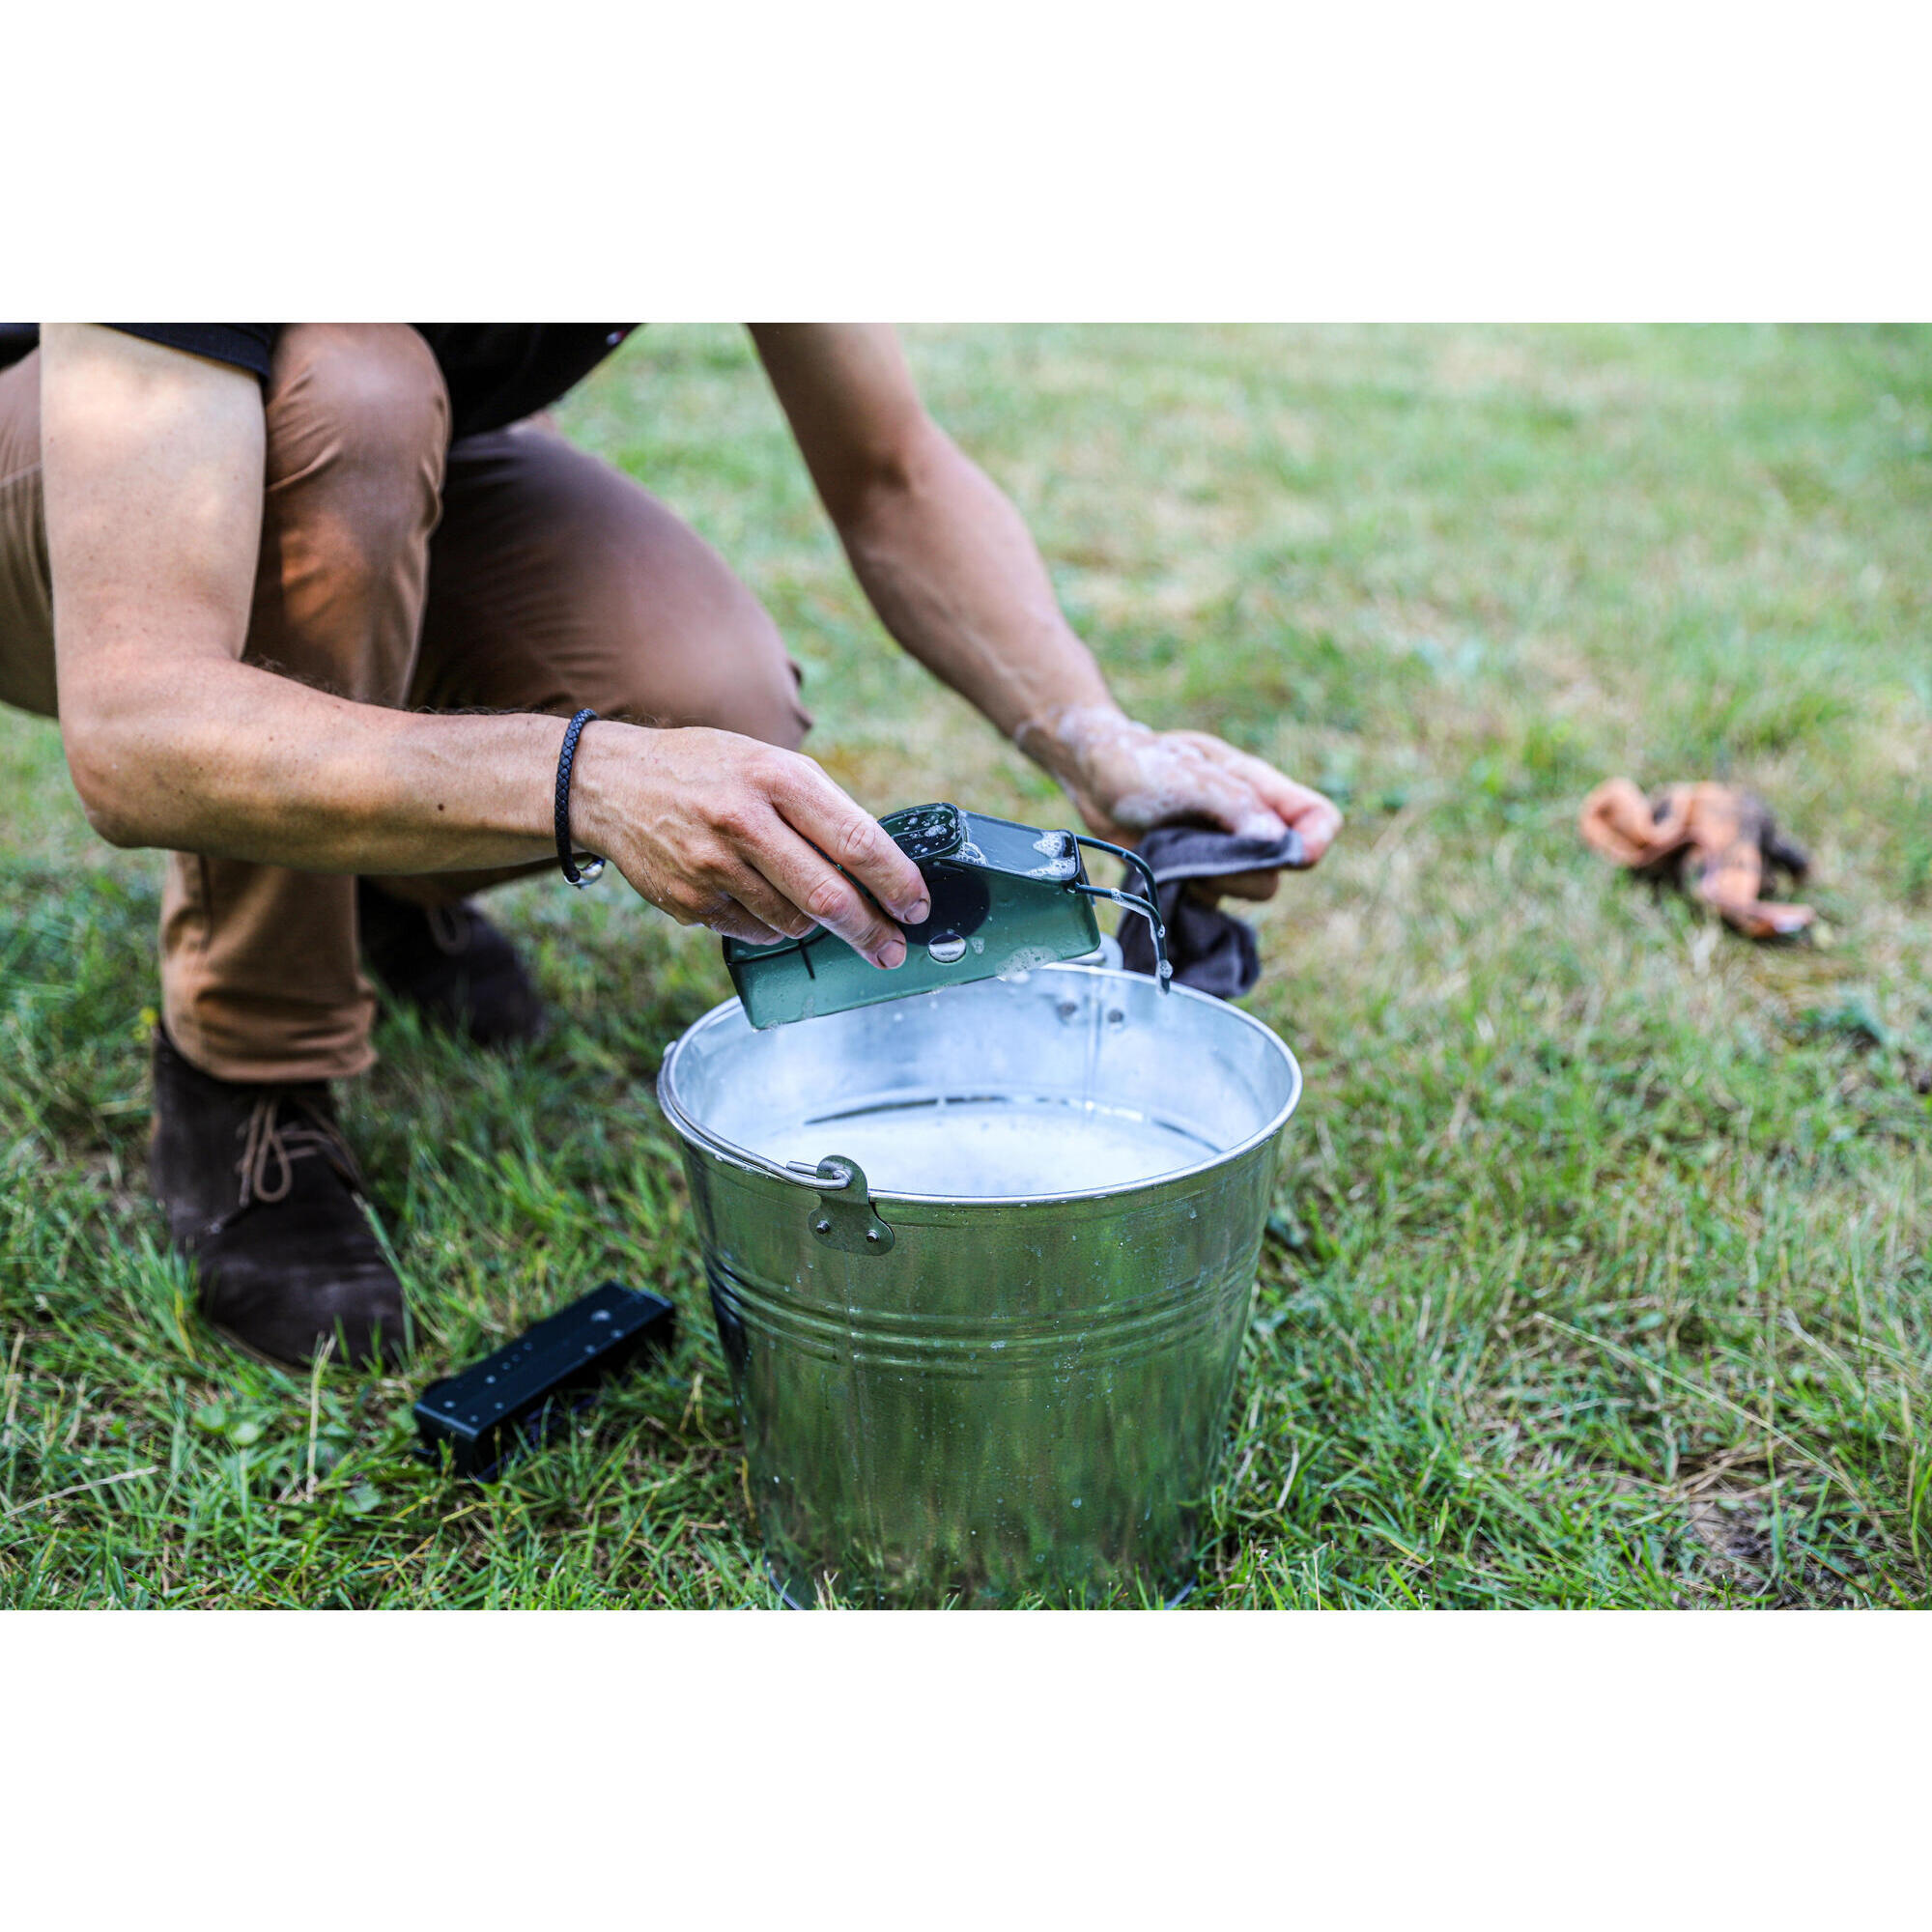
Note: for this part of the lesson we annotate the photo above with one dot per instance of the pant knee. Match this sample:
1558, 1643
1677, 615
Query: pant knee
763, 702
359, 414
559, 583
744, 684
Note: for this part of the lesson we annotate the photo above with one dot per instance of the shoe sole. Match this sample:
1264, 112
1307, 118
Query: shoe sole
267, 1361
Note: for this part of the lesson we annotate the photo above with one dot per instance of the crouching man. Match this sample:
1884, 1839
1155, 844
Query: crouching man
313, 603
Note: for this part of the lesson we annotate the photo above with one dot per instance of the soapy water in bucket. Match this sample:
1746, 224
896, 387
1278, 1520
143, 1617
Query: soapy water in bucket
994, 1145
1063, 1081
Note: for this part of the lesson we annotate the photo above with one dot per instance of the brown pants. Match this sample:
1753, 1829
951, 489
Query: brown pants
509, 572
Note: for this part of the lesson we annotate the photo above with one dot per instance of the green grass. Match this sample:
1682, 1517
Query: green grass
1599, 1271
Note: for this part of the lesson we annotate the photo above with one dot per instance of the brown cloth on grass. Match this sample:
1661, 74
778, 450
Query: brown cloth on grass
1719, 842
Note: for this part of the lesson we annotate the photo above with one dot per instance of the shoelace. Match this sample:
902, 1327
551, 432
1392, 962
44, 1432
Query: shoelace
271, 1142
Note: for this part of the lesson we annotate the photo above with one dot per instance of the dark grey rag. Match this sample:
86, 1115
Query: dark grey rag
1210, 949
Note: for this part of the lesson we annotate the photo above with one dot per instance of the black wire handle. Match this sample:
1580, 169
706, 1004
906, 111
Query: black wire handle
1149, 907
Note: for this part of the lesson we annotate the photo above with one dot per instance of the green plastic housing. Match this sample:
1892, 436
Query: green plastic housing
1005, 899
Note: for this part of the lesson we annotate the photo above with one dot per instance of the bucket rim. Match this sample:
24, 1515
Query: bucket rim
695, 1134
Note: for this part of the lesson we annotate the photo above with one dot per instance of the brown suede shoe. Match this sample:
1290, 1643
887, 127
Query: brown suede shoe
451, 964
263, 1195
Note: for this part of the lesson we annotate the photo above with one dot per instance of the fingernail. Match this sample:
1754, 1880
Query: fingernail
917, 912
892, 953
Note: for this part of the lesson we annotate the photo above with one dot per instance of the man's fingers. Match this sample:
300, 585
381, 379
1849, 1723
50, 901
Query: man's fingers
1242, 810
801, 875
1226, 781
1316, 817
730, 918
852, 839
1186, 785
1318, 821
763, 901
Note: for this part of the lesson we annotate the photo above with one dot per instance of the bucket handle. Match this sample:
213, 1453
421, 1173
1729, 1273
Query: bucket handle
845, 1220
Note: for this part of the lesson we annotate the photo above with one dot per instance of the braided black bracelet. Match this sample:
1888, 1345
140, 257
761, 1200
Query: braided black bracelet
566, 758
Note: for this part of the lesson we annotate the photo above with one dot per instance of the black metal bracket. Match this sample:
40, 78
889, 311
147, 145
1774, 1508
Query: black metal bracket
527, 1391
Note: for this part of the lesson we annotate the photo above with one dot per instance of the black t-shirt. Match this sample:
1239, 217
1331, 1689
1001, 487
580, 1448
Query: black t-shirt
497, 372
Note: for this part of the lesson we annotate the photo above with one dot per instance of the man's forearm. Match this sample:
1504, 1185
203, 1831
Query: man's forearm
226, 760
211, 755
955, 577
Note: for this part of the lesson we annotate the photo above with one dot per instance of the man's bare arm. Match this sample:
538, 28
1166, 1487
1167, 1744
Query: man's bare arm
955, 577
153, 465
942, 553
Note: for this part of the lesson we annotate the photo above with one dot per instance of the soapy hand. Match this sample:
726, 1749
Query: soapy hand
1126, 779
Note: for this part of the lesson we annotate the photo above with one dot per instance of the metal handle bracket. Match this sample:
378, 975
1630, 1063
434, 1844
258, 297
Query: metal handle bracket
846, 1219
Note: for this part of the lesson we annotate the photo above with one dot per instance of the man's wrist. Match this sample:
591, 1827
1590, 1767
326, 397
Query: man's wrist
1062, 741
602, 751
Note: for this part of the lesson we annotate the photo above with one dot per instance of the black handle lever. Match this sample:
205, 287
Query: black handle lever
1149, 907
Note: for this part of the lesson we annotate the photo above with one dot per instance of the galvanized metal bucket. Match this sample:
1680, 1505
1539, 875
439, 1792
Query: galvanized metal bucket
982, 1260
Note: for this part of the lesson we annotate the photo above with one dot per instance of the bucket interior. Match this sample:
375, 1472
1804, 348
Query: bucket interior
1066, 1080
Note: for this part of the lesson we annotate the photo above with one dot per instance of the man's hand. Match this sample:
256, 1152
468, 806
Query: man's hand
721, 831
1127, 779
